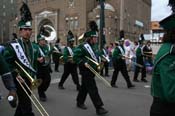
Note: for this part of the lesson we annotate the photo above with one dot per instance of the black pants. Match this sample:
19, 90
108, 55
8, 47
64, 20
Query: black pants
56, 65
70, 68
89, 87
120, 67
24, 107
106, 68
143, 72
46, 78
159, 108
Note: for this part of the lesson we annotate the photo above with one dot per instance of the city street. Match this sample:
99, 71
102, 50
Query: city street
119, 101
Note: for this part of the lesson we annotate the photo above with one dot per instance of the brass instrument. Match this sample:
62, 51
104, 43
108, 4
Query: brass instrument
105, 58
98, 65
98, 75
34, 82
136, 64
56, 50
148, 52
52, 33
26, 88
61, 59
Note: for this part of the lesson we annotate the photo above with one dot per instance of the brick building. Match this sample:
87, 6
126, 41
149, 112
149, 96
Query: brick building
7, 14
132, 16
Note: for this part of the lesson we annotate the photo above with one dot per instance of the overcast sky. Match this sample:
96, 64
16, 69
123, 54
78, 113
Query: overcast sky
160, 10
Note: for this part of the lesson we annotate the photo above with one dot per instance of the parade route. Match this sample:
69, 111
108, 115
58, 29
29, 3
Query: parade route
119, 101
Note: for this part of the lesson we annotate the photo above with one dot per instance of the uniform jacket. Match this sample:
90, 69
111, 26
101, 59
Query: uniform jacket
10, 57
117, 56
163, 80
139, 55
80, 54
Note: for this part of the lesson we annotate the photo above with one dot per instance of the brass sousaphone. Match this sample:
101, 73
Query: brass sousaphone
49, 35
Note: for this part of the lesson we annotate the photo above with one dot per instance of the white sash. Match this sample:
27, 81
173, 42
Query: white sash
89, 49
106, 55
104, 51
41, 52
70, 51
121, 50
21, 55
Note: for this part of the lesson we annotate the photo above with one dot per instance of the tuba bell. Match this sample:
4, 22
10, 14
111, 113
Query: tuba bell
49, 33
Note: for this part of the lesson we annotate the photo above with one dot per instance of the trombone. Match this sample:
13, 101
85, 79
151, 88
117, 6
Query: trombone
33, 98
96, 63
95, 72
61, 59
136, 64
34, 82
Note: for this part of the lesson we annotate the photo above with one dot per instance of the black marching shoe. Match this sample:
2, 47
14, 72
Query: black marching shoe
78, 87
101, 111
144, 80
60, 87
42, 97
81, 106
131, 86
114, 86
135, 80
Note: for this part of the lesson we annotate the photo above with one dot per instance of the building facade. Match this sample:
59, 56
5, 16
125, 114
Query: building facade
132, 16
7, 14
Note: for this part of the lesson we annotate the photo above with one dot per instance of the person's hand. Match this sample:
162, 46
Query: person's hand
12, 99
20, 79
40, 60
86, 65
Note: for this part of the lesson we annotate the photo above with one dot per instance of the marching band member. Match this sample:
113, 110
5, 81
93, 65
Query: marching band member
88, 82
106, 61
119, 64
163, 78
22, 51
7, 78
148, 53
69, 66
140, 60
56, 55
43, 66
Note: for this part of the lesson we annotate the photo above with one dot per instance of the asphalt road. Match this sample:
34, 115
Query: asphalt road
118, 101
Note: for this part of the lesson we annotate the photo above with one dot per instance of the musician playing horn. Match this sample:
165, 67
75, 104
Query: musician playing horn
23, 51
88, 86
43, 66
105, 60
119, 64
70, 67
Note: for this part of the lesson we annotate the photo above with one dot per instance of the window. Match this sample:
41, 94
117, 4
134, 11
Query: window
71, 3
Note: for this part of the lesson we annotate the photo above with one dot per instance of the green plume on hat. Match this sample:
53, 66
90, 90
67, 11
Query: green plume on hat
26, 18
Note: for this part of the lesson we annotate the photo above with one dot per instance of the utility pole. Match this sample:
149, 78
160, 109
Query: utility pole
121, 14
102, 24
25, 1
